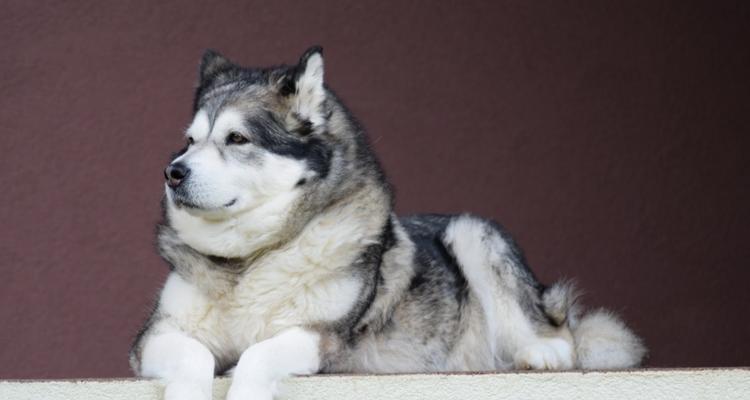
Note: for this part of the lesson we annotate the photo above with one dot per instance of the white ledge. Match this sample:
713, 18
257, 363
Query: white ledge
654, 384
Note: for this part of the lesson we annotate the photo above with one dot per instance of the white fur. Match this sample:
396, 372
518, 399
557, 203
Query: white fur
194, 312
200, 127
297, 284
512, 338
545, 353
183, 363
261, 194
476, 262
263, 365
302, 282
604, 342
279, 294
310, 91
178, 295
239, 237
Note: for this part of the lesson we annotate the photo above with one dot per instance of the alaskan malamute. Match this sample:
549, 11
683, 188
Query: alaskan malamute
287, 258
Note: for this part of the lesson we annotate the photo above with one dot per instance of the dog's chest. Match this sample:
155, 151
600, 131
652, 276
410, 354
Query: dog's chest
280, 295
309, 280
283, 291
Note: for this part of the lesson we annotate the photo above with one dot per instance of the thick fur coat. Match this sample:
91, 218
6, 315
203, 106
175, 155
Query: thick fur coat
286, 258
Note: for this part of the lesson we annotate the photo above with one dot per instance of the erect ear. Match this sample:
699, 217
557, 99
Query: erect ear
308, 96
212, 64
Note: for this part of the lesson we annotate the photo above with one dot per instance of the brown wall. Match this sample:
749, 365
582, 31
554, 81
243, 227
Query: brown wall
611, 138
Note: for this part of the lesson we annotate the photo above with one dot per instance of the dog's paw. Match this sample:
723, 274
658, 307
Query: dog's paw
546, 353
250, 391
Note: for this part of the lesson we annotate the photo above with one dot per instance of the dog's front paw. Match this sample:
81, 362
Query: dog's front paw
250, 391
548, 353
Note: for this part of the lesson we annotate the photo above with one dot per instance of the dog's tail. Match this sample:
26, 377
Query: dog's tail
601, 338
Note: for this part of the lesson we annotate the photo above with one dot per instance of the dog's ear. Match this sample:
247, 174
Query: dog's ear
212, 64
305, 87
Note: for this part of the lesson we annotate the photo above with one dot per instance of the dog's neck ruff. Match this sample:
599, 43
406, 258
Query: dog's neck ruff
333, 238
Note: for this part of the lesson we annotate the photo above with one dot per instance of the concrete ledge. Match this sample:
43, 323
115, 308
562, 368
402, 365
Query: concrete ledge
725, 384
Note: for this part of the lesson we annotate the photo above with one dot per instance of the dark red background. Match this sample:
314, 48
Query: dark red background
610, 138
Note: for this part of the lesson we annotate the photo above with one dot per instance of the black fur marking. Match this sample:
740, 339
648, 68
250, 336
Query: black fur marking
289, 81
416, 281
229, 264
370, 260
270, 135
219, 260
288, 86
434, 261
452, 265
305, 129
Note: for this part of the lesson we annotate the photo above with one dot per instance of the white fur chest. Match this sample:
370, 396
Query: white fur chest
286, 293
309, 280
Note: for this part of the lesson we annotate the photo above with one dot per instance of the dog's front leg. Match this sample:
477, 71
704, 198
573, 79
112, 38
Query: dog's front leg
185, 365
294, 351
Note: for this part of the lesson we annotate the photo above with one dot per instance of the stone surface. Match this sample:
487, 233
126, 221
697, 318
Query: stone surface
686, 384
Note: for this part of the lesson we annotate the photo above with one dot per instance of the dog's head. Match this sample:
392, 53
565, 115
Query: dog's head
265, 148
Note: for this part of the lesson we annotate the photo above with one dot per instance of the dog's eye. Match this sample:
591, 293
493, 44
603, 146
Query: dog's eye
190, 140
236, 138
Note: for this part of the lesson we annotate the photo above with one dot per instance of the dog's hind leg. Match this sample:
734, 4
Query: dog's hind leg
518, 331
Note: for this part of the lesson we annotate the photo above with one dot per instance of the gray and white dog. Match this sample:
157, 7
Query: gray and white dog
286, 258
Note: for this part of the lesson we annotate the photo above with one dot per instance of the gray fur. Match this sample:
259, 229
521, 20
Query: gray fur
418, 308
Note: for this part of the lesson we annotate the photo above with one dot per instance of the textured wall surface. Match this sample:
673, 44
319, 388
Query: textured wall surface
728, 384
610, 138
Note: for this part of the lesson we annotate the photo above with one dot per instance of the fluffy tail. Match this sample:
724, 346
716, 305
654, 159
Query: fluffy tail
602, 341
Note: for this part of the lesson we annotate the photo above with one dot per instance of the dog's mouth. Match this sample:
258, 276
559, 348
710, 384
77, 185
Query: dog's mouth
230, 203
180, 200
184, 203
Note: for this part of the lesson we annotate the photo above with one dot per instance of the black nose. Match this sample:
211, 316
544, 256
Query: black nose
176, 173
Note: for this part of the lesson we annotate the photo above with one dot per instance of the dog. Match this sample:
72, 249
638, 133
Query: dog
287, 258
